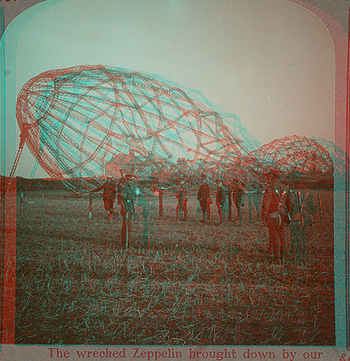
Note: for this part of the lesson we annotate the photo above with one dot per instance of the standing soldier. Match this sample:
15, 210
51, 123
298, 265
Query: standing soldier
132, 185
203, 197
218, 206
198, 209
222, 201
237, 194
121, 183
301, 215
257, 198
108, 196
227, 183
209, 203
127, 195
148, 209
160, 201
181, 209
275, 213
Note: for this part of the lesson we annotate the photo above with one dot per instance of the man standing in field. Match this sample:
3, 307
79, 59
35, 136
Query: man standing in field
275, 213
132, 185
108, 196
146, 201
127, 195
222, 201
237, 195
203, 197
209, 203
181, 195
120, 184
257, 198
302, 218
227, 183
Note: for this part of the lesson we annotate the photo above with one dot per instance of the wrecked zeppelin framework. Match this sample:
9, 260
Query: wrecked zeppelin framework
76, 120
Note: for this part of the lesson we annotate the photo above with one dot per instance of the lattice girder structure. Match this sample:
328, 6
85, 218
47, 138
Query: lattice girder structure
338, 156
296, 154
84, 116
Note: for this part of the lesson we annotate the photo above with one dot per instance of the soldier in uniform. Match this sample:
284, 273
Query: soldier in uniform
108, 196
127, 196
301, 218
132, 185
227, 183
209, 203
203, 196
147, 203
218, 206
181, 195
120, 184
275, 213
222, 201
237, 195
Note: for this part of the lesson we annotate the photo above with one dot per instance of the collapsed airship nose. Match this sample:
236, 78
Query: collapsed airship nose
82, 117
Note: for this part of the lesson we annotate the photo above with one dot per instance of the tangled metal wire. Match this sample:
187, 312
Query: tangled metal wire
76, 121
296, 154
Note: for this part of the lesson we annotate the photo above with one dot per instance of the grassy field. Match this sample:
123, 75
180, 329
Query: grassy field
199, 284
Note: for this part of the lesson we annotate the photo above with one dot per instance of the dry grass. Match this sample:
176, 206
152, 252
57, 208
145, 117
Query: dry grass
197, 285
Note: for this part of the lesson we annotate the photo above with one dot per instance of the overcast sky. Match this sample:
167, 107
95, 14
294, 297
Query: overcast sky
270, 62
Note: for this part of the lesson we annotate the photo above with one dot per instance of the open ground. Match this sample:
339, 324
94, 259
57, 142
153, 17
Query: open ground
198, 284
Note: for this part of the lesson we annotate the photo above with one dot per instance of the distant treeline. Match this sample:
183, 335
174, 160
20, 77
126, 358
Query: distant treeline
38, 184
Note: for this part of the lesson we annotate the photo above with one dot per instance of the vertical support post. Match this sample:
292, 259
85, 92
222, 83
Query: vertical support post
42, 202
250, 195
127, 230
90, 205
149, 230
320, 208
160, 203
256, 202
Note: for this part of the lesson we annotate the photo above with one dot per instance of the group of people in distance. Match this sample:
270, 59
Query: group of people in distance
281, 206
227, 192
126, 194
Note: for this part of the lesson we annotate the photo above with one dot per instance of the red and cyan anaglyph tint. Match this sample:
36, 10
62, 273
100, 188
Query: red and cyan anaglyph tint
203, 236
